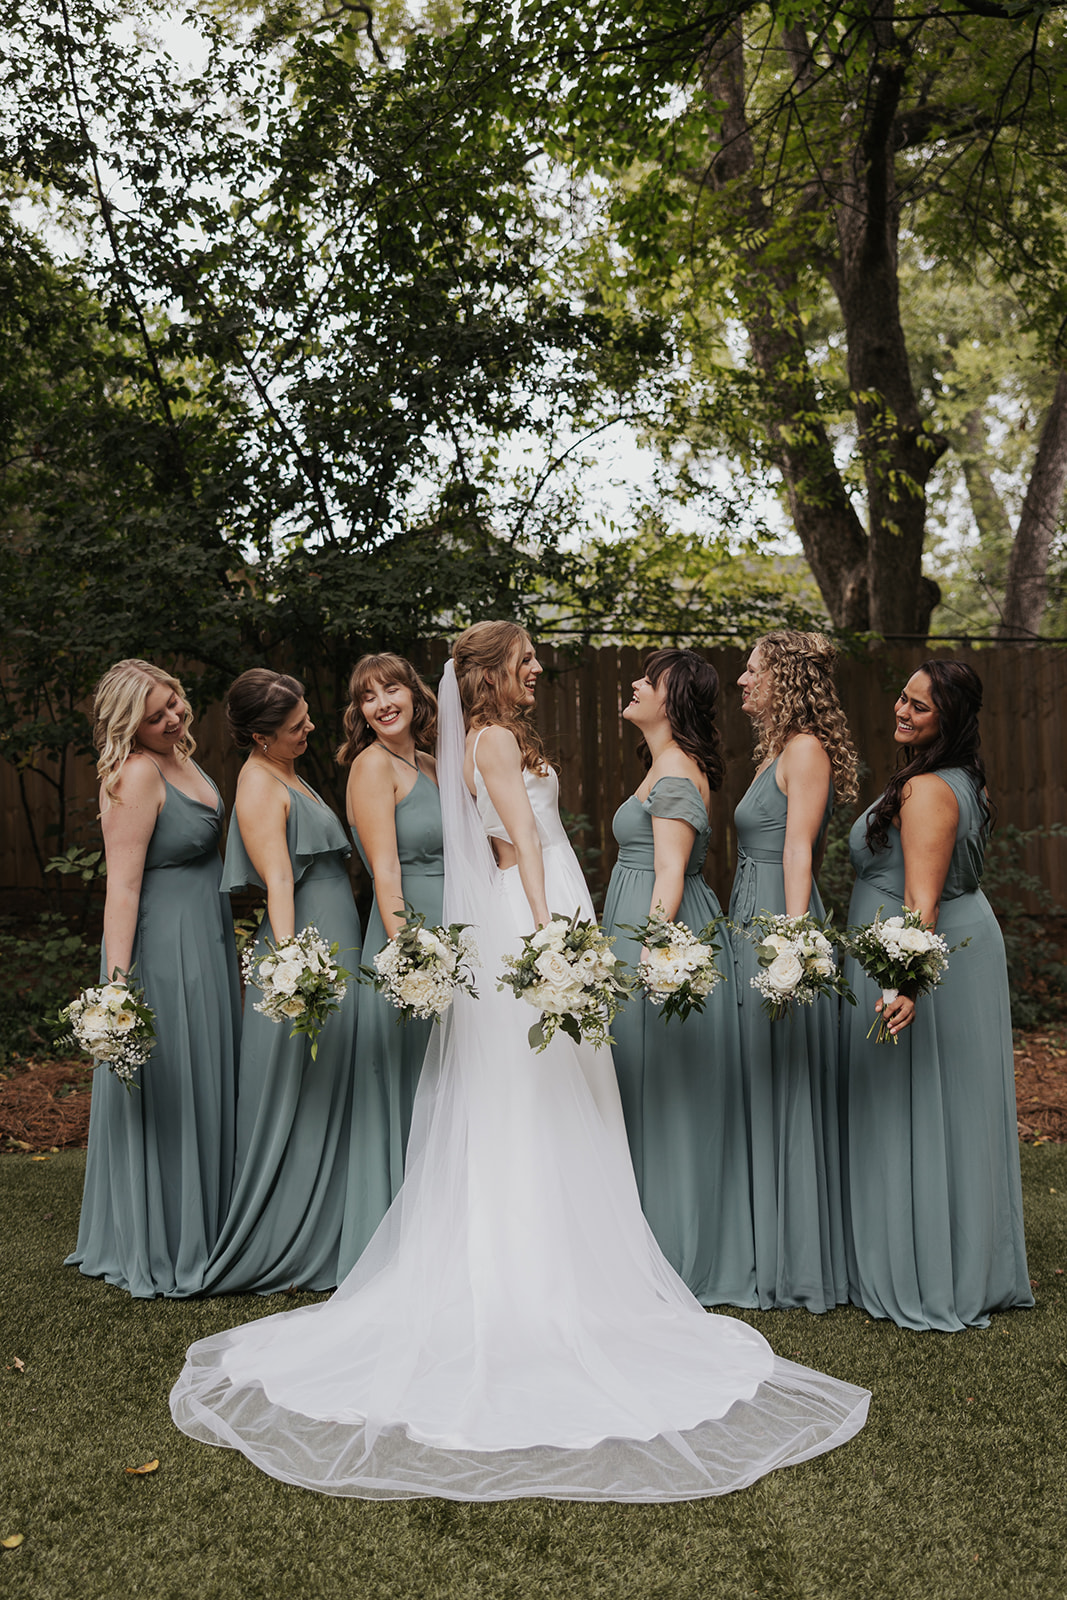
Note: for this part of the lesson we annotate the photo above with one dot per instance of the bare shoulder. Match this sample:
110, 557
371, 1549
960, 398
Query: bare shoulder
929, 795
259, 788
497, 746
372, 765
140, 783
804, 757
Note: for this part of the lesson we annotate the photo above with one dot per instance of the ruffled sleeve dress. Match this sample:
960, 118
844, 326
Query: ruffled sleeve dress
293, 1113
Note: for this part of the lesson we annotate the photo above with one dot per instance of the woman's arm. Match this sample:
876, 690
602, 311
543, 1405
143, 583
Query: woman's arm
127, 826
500, 764
371, 806
672, 843
929, 817
262, 809
804, 779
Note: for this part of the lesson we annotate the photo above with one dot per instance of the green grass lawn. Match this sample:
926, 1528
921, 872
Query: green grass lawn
955, 1488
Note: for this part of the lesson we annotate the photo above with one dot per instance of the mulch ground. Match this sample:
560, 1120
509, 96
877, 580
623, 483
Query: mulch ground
44, 1105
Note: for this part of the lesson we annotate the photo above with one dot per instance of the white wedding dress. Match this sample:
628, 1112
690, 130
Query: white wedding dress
512, 1328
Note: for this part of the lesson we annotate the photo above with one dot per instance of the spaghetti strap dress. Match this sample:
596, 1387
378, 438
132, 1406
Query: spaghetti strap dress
389, 1052
790, 1077
932, 1195
160, 1160
680, 1082
293, 1113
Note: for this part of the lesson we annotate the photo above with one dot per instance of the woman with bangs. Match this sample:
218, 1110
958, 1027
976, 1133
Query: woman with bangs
681, 1082
160, 1161
804, 763
394, 811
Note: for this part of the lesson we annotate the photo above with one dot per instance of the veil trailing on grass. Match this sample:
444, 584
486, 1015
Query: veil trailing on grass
512, 1328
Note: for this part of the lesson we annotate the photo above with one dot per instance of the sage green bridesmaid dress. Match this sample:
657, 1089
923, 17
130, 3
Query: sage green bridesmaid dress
790, 1076
389, 1052
160, 1160
680, 1082
293, 1113
932, 1197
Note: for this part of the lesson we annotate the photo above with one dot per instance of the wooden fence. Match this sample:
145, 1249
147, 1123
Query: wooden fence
1024, 730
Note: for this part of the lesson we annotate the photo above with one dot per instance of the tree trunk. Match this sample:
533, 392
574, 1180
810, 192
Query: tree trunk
1027, 591
898, 452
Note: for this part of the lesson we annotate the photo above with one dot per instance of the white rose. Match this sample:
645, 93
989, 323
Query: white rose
551, 935
293, 1007
112, 995
554, 968
913, 940
287, 976
784, 972
823, 967
893, 922
777, 941
93, 1022
415, 989
123, 1021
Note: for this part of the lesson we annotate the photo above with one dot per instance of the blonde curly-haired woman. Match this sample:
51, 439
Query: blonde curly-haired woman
160, 1162
804, 762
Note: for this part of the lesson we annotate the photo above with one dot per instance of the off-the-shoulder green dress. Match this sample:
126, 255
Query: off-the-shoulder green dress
680, 1082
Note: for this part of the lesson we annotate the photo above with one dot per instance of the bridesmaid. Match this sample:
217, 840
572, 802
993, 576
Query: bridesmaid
157, 1176
681, 1082
804, 760
933, 1203
293, 1113
394, 810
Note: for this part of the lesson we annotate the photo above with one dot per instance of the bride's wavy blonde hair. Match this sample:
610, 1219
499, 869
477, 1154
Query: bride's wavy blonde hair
803, 699
484, 659
118, 711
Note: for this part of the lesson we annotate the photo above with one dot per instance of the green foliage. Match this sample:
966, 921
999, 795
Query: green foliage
44, 969
1033, 941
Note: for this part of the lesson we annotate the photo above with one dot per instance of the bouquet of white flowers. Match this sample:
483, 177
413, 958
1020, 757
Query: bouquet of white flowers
567, 970
897, 953
300, 980
112, 1024
679, 971
796, 962
420, 969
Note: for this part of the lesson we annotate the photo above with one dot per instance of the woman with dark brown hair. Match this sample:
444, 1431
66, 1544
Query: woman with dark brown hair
681, 1083
293, 1112
394, 811
932, 1196
805, 763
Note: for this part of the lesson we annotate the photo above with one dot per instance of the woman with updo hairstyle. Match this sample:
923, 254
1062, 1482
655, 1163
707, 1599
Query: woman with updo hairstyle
394, 811
160, 1161
293, 1113
680, 1084
932, 1194
805, 763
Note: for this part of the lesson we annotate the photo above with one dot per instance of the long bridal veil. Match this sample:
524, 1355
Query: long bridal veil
512, 1328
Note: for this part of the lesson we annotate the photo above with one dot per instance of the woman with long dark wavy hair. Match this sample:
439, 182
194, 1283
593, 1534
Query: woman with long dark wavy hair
394, 811
804, 763
930, 1149
681, 1085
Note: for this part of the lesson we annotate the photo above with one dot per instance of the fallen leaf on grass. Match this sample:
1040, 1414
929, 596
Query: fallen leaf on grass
40, 1158
18, 1365
13, 1541
140, 1472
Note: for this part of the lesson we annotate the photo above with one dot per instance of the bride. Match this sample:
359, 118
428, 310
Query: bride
512, 1328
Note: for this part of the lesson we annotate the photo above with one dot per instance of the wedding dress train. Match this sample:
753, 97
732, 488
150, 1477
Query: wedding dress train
512, 1328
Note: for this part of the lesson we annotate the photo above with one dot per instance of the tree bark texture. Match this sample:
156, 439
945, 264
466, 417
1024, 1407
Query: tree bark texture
1027, 589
